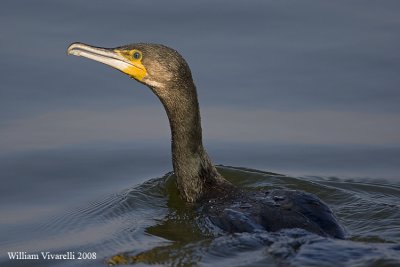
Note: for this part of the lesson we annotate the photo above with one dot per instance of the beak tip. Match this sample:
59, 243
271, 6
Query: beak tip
73, 49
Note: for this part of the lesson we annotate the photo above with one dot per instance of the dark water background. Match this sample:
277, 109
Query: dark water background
309, 89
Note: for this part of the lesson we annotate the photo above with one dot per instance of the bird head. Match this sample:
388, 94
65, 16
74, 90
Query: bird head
151, 64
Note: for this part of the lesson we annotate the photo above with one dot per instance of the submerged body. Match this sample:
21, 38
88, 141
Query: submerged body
244, 211
168, 75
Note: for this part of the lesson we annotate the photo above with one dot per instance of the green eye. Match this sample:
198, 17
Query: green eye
137, 55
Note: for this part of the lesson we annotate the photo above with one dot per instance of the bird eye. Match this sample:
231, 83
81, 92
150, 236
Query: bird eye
136, 55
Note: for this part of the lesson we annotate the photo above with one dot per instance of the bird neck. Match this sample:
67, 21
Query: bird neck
193, 168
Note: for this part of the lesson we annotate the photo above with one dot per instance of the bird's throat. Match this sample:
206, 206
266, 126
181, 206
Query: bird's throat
193, 168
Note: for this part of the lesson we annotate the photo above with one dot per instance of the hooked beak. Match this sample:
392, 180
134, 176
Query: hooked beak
109, 56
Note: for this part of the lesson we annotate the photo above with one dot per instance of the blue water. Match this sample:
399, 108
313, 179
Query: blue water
309, 90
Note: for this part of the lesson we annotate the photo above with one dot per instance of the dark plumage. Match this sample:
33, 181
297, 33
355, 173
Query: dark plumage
168, 75
241, 211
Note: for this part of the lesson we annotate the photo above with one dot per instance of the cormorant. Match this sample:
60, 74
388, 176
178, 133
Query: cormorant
228, 207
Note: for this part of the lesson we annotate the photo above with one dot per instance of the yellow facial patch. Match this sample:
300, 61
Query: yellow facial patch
136, 69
